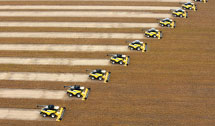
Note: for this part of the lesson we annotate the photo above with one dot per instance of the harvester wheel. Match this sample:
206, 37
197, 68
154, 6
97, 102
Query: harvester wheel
93, 78
154, 36
148, 36
190, 8
131, 48
70, 94
181, 15
162, 25
44, 114
138, 48
53, 115
120, 62
113, 62
168, 25
100, 78
78, 95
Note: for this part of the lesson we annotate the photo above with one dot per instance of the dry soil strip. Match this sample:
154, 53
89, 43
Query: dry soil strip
32, 93
72, 35
110, 0
31, 76
64, 47
83, 14
19, 114
54, 61
79, 24
72, 7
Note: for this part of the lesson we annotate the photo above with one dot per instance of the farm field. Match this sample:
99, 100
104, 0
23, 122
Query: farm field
48, 44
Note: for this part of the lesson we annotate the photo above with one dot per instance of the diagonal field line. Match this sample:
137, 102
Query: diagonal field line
64, 47
31, 76
83, 14
79, 24
32, 93
19, 114
54, 61
77, 7
72, 35
111, 0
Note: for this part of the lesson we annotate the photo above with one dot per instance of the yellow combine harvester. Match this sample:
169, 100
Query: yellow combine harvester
52, 111
189, 6
154, 33
167, 23
138, 45
205, 1
180, 13
100, 75
78, 91
120, 59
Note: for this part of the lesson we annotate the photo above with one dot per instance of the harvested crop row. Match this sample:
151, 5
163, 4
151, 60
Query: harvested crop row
64, 47
69, 7
54, 61
31, 76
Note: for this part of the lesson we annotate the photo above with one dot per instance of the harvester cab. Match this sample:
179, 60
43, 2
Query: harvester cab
78, 91
52, 111
138, 45
180, 13
167, 22
154, 33
100, 75
120, 59
189, 6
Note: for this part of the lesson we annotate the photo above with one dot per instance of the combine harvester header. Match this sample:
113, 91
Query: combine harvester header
61, 114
